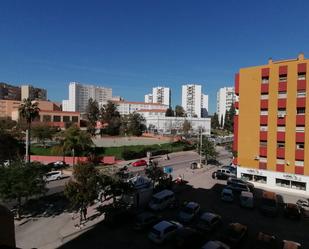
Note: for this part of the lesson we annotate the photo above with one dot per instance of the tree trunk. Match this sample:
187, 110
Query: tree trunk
28, 147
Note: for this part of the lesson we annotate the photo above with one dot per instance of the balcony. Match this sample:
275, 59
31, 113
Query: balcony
262, 165
280, 167
299, 170
281, 103
264, 103
282, 86
300, 137
281, 121
263, 119
263, 135
301, 84
301, 102
280, 152
300, 119
299, 155
263, 151
280, 136
264, 88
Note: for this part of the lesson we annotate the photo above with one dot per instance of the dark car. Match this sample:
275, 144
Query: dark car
304, 206
237, 188
265, 241
222, 174
145, 220
187, 237
208, 222
269, 203
235, 234
234, 179
292, 211
58, 165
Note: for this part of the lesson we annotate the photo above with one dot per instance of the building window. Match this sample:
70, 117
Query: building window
300, 146
263, 143
265, 80
263, 159
74, 119
280, 144
298, 185
264, 112
300, 128
264, 96
57, 119
301, 76
283, 183
299, 163
280, 161
260, 179
263, 128
301, 110
282, 95
301, 94
283, 78
66, 118
46, 118
247, 177
281, 128
281, 112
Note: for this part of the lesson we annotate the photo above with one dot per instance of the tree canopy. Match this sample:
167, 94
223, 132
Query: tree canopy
215, 121
43, 132
29, 110
169, 112
110, 116
93, 114
179, 111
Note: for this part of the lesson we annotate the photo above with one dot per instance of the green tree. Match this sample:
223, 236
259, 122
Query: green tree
227, 122
186, 127
231, 114
29, 111
92, 113
215, 121
110, 116
208, 150
154, 173
179, 111
7, 123
221, 121
136, 124
43, 132
20, 181
169, 112
83, 189
76, 141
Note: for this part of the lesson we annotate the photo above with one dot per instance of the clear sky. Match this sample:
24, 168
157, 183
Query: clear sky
132, 46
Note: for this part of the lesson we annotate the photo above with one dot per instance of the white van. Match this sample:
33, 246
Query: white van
246, 199
53, 175
161, 200
227, 195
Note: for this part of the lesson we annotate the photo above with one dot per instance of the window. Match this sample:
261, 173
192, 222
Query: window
264, 112
300, 128
281, 128
298, 185
281, 112
247, 177
263, 128
260, 179
283, 183
301, 76
74, 119
66, 118
280, 144
46, 118
265, 80
283, 78
264, 96
299, 163
263, 159
300, 146
301, 94
263, 143
57, 119
301, 111
282, 95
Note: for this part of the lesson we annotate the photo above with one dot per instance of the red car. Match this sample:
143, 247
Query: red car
139, 163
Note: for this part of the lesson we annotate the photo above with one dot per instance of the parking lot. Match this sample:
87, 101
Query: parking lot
206, 191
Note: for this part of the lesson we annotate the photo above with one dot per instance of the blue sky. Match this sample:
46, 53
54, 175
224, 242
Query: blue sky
133, 45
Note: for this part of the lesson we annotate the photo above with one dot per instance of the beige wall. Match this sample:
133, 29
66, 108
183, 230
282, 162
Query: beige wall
8, 106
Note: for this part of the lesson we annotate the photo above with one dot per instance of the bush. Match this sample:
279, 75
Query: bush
130, 154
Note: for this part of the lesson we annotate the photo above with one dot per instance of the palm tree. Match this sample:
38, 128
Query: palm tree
29, 111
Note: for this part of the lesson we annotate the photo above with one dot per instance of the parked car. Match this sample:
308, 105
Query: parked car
139, 163
162, 200
222, 174
208, 222
246, 199
164, 231
237, 188
235, 234
304, 206
232, 169
53, 175
234, 179
288, 244
145, 220
189, 211
265, 241
188, 237
227, 195
292, 211
269, 203
58, 165
215, 244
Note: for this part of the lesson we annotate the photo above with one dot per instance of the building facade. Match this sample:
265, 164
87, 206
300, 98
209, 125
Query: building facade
161, 95
194, 102
79, 94
165, 125
271, 125
9, 92
148, 98
225, 98
7, 107
33, 93
128, 107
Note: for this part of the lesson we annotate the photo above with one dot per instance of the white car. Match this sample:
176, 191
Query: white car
189, 211
163, 231
53, 175
215, 244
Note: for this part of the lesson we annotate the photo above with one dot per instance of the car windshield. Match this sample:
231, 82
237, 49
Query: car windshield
155, 231
187, 210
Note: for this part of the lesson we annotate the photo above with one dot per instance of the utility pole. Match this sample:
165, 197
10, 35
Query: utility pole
27, 147
201, 144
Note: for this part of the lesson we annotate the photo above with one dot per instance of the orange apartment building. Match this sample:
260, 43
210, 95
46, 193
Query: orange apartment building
271, 126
